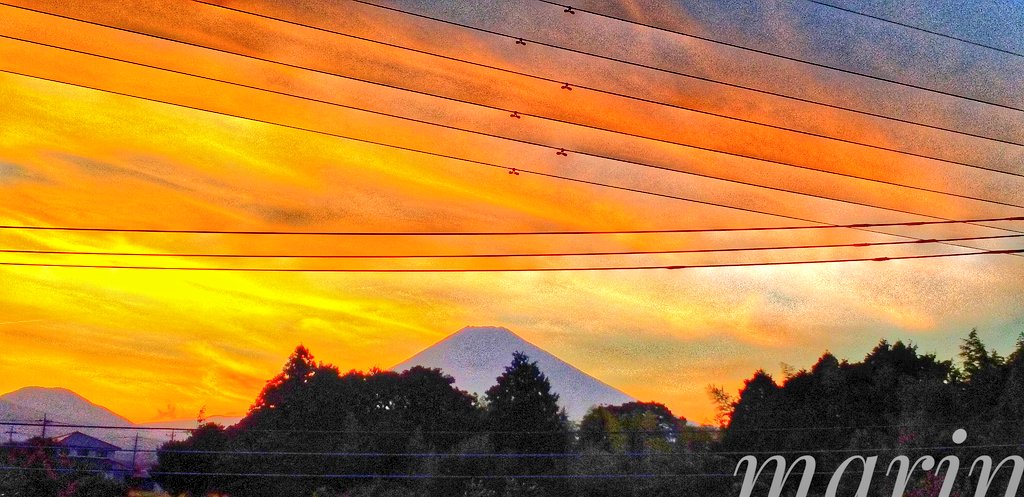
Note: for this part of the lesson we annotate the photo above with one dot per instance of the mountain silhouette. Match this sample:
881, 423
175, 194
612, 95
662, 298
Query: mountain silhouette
476, 356
61, 406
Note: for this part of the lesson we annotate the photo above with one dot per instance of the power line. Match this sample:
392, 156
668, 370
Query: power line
575, 85
427, 455
657, 431
770, 54
446, 156
381, 144
589, 154
53, 424
533, 76
594, 89
513, 233
498, 255
407, 476
370, 455
543, 455
510, 270
427, 476
916, 28
432, 154
604, 57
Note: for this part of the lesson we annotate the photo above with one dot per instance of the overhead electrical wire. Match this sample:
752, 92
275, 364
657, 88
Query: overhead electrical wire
513, 233
662, 431
540, 455
760, 52
510, 169
916, 28
456, 158
476, 455
427, 476
595, 55
553, 147
510, 270
607, 92
406, 476
500, 255
713, 150
650, 432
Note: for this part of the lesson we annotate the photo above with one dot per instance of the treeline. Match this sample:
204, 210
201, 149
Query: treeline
896, 401
315, 431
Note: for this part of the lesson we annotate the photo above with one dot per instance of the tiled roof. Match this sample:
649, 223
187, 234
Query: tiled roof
77, 440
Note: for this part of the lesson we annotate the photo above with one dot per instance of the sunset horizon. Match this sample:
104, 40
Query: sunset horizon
668, 197
702, 410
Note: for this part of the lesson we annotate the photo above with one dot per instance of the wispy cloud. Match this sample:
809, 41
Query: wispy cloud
72, 156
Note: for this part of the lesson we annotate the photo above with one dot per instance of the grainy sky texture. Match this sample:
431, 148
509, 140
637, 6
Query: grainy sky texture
161, 344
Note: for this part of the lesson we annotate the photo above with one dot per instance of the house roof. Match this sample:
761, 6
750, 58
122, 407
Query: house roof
78, 440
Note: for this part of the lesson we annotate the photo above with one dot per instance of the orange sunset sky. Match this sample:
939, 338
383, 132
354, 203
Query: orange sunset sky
155, 345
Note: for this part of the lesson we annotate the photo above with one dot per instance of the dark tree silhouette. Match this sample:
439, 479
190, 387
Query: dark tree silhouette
285, 386
524, 417
895, 399
756, 408
187, 456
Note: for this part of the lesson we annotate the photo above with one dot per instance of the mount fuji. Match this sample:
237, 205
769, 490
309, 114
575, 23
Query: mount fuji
476, 356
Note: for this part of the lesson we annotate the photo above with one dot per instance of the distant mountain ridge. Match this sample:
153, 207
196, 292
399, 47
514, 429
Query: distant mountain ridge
63, 409
476, 356
62, 406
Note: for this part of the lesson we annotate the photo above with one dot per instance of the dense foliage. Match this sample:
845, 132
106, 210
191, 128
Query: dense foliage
895, 401
37, 469
383, 433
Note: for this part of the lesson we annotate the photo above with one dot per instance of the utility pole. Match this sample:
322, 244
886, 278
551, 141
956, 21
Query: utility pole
135, 450
10, 435
45, 421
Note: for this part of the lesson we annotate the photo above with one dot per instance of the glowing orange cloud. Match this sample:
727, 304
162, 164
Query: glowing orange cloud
137, 341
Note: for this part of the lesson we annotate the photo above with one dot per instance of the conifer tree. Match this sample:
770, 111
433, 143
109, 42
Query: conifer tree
524, 416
